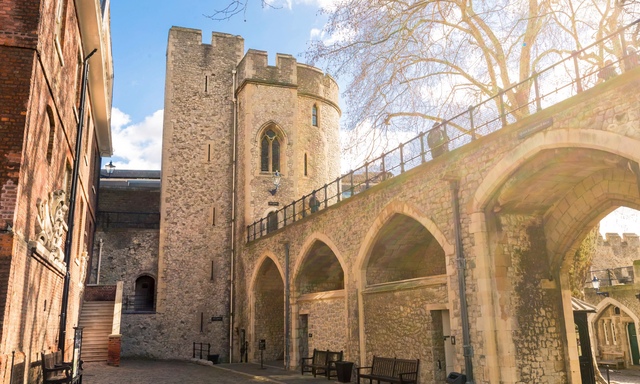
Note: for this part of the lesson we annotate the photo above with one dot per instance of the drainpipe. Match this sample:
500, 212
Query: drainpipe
99, 261
462, 285
233, 217
287, 309
72, 207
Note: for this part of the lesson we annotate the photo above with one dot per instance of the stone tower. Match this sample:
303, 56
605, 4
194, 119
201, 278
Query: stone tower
230, 122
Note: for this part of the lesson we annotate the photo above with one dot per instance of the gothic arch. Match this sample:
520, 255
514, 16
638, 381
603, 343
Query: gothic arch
270, 124
258, 265
266, 307
393, 208
604, 304
557, 138
306, 247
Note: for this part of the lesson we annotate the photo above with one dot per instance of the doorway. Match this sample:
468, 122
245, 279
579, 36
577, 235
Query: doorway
584, 348
303, 336
633, 343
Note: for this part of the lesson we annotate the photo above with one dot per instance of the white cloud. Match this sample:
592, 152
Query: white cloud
137, 145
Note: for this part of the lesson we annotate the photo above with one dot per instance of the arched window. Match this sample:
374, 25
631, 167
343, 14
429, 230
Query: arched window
144, 300
270, 152
272, 221
314, 115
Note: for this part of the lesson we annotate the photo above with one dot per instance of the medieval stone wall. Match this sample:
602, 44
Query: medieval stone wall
196, 198
515, 290
614, 251
326, 324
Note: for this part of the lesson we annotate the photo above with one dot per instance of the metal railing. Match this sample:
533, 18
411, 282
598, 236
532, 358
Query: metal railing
560, 81
612, 276
140, 220
138, 303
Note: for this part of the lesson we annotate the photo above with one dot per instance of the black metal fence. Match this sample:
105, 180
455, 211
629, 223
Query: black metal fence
579, 71
612, 276
138, 303
140, 220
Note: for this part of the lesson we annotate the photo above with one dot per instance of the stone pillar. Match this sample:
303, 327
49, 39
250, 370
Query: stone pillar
113, 350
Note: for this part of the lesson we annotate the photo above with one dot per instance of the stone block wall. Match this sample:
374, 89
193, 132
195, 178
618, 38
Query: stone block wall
614, 251
326, 323
196, 196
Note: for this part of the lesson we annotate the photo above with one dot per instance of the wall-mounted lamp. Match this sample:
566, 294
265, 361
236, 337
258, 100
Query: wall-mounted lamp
110, 168
596, 285
276, 183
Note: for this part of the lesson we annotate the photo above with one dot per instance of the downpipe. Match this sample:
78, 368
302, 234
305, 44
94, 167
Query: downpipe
462, 285
233, 218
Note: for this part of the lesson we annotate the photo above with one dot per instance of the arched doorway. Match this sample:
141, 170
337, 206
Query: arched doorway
268, 312
533, 211
405, 297
320, 301
144, 300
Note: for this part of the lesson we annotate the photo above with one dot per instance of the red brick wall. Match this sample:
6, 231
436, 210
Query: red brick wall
33, 80
16, 66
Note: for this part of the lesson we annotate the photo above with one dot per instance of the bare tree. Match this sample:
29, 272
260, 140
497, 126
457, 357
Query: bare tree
414, 62
236, 7
410, 63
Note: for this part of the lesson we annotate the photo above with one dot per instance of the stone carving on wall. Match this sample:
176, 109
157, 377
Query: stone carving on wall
50, 223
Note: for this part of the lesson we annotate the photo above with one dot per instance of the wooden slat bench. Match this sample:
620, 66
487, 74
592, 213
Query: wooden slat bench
53, 370
321, 362
611, 364
390, 370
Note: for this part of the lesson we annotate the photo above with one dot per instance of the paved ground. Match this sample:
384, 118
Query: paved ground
623, 376
140, 371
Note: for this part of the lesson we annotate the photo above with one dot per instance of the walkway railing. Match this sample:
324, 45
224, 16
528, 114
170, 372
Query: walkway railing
558, 82
612, 276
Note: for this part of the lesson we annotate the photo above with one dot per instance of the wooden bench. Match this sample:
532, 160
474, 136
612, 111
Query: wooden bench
321, 362
391, 370
611, 364
55, 371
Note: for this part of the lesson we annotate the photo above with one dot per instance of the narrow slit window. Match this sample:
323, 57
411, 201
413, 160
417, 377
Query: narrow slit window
314, 115
206, 83
213, 216
306, 173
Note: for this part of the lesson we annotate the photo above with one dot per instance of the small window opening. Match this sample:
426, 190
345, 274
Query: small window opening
306, 173
314, 115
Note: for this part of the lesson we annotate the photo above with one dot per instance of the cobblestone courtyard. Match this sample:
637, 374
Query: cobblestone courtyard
141, 371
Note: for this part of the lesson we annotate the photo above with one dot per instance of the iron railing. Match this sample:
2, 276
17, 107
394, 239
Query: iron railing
140, 220
138, 303
546, 88
612, 276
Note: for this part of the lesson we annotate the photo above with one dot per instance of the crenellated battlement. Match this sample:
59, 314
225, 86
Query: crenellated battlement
311, 81
615, 240
187, 38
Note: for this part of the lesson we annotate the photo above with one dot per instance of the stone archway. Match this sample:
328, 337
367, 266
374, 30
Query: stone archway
268, 311
405, 295
530, 214
320, 301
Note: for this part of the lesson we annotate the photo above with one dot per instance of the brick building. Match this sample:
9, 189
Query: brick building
43, 46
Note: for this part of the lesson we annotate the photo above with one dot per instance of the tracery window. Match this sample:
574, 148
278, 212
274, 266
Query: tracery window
270, 152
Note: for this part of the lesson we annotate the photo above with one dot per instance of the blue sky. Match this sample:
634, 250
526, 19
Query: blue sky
139, 31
